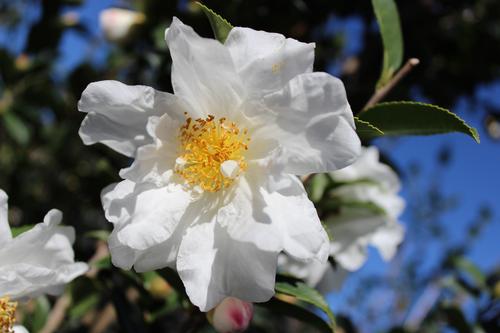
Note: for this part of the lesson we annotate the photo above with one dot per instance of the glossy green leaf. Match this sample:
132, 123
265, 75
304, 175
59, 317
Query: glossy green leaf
220, 26
414, 118
365, 130
16, 128
309, 295
387, 16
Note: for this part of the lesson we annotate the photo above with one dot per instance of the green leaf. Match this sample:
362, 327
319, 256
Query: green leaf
309, 295
319, 184
16, 128
390, 29
365, 130
359, 206
468, 267
414, 118
41, 313
297, 311
219, 25
103, 263
98, 234
79, 309
19, 230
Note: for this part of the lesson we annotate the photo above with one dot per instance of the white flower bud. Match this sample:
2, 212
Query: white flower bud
116, 23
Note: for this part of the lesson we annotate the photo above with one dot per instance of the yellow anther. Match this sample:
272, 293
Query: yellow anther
205, 145
7, 315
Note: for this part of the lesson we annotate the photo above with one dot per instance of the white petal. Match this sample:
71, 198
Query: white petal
5, 234
353, 256
229, 169
122, 256
153, 163
40, 260
267, 61
303, 235
144, 214
165, 254
351, 235
155, 257
245, 218
311, 272
390, 202
116, 198
53, 218
332, 280
387, 239
368, 167
281, 219
213, 266
313, 122
117, 114
20, 329
203, 73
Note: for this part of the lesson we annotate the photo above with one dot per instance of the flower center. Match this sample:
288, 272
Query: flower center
7, 315
211, 153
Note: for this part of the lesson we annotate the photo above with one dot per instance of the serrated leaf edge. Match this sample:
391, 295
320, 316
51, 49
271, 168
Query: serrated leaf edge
473, 132
211, 12
367, 123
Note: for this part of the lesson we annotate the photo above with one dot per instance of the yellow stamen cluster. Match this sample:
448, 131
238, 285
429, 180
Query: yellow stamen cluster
7, 315
205, 144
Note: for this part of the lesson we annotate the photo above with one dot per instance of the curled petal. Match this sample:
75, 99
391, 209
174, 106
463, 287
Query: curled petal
202, 72
267, 61
144, 215
40, 260
387, 239
214, 266
311, 119
117, 114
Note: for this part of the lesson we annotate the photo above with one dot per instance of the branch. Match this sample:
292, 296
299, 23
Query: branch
57, 314
382, 92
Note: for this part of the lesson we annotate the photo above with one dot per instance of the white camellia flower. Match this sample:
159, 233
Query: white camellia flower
212, 191
367, 181
356, 228
38, 261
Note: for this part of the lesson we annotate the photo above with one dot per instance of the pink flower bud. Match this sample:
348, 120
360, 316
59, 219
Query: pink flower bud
231, 315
